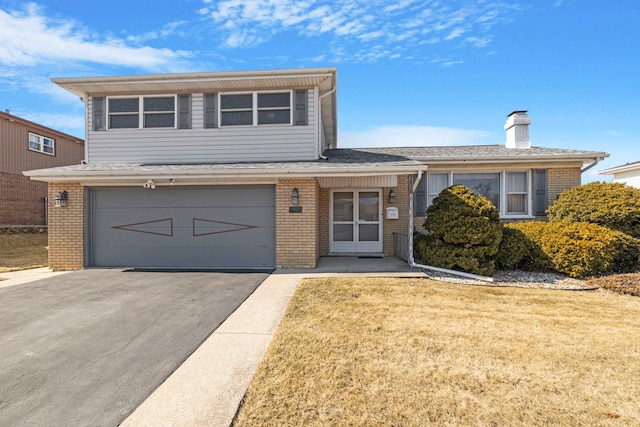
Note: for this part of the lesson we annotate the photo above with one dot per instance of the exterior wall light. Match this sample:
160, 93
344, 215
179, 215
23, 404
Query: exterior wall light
295, 196
392, 196
61, 199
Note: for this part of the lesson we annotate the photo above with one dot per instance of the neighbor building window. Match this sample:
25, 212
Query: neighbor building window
255, 108
41, 144
157, 112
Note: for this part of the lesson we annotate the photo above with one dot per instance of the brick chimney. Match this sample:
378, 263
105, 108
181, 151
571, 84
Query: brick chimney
517, 128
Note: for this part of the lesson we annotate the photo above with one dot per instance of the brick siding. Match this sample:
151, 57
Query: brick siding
297, 233
561, 179
21, 200
66, 228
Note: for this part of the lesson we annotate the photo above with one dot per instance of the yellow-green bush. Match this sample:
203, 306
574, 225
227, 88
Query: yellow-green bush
578, 249
612, 205
513, 249
466, 232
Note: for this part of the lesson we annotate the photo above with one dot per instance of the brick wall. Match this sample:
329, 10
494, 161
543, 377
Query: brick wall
297, 233
401, 225
561, 179
66, 228
21, 200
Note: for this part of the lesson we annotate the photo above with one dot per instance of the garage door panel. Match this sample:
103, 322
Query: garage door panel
213, 227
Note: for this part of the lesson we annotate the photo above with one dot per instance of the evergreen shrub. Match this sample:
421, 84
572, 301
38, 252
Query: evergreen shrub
466, 232
578, 249
612, 205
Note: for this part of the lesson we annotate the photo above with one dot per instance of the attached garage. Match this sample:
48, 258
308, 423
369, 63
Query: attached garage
183, 227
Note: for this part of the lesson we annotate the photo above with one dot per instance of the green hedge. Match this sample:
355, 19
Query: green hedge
612, 205
578, 249
466, 232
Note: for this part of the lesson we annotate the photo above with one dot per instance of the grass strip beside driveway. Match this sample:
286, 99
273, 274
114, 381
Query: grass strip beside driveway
22, 251
414, 352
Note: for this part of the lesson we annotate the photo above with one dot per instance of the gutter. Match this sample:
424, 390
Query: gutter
595, 162
320, 116
411, 260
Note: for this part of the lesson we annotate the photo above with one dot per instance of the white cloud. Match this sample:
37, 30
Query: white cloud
412, 136
395, 23
29, 38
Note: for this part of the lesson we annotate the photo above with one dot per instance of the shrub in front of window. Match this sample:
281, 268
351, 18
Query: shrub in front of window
612, 205
466, 232
578, 249
513, 249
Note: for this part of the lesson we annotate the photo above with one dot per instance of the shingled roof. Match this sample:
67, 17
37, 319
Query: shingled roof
481, 153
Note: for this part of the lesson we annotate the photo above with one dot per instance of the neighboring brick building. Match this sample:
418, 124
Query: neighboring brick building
242, 170
25, 145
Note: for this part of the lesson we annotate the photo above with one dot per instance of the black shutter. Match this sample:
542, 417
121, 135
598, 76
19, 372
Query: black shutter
420, 198
540, 201
300, 111
210, 115
184, 111
99, 113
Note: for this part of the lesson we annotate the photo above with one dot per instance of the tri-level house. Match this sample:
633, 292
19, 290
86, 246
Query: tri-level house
26, 145
242, 170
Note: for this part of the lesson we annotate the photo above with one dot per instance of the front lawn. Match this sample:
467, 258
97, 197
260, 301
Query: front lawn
415, 352
22, 251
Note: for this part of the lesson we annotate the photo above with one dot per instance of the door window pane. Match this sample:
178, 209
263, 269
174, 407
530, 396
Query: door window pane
369, 206
343, 206
368, 232
482, 184
343, 232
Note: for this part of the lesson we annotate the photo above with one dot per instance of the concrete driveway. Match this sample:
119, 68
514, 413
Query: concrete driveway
86, 348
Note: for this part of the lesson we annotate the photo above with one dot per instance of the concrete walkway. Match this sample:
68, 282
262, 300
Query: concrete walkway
207, 389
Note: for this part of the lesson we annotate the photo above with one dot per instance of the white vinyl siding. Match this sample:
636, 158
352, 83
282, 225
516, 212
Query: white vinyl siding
200, 145
631, 178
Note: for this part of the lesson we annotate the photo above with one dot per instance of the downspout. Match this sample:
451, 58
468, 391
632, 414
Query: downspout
596, 161
412, 261
320, 115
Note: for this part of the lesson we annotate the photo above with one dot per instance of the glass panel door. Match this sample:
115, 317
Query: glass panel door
355, 221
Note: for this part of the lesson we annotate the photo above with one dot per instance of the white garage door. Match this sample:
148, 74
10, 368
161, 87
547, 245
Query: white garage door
204, 227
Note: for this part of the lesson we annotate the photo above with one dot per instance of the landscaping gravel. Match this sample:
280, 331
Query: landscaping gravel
518, 279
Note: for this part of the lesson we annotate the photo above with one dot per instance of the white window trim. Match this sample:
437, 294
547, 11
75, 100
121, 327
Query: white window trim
254, 108
503, 189
504, 194
141, 112
41, 144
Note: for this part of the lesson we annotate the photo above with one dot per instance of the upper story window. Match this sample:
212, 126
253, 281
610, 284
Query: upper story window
156, 112
256, 108
41, 144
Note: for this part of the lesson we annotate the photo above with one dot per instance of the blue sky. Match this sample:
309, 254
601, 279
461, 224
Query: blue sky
409, 72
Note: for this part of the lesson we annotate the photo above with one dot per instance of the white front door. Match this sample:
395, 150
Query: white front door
355, 221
